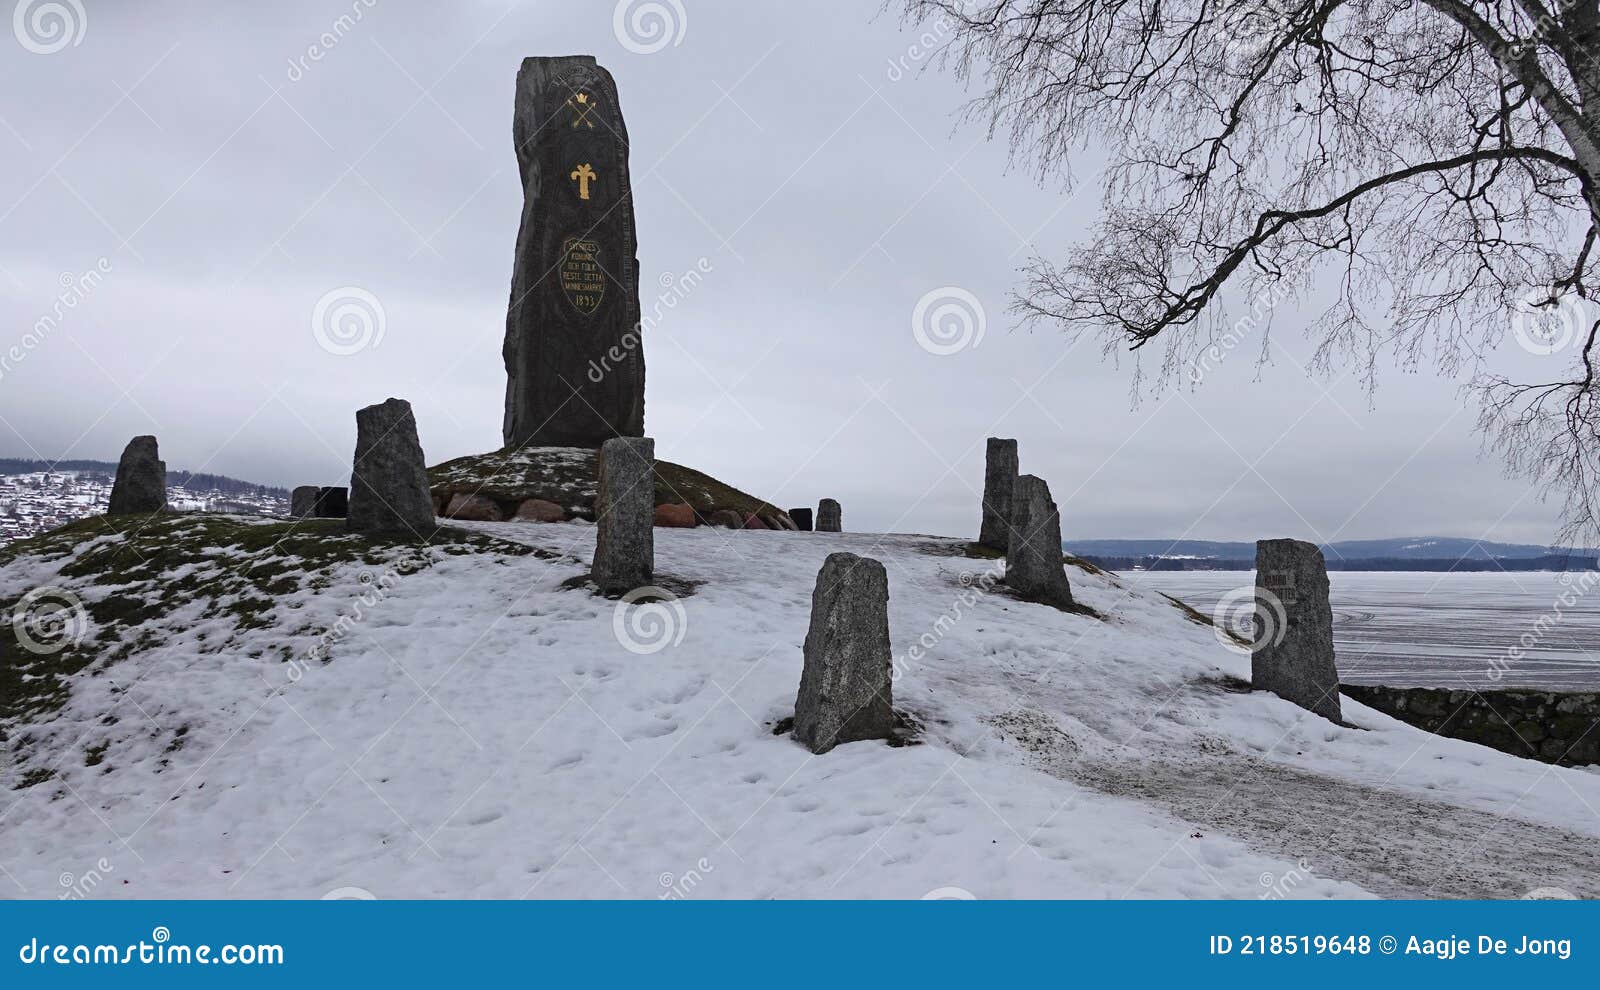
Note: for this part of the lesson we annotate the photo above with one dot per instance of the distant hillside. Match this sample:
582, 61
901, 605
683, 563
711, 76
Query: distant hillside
175, 479
1420, 553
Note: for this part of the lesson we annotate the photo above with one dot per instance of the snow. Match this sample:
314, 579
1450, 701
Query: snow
481, 731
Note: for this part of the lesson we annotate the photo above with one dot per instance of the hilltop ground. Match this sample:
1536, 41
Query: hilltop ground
260, 709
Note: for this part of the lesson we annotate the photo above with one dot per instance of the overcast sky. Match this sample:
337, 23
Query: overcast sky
226, 181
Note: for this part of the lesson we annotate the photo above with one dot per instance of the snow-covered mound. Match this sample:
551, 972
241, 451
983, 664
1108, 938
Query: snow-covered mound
261, 710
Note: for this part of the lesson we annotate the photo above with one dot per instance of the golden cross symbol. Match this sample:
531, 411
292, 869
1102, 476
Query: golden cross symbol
582, 105
583, 174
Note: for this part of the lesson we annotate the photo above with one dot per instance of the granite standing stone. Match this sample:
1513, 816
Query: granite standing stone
802, 519
1034, 567
141, 483
389, 482
830, 518
999, 478
1293, 645
846, 687
573, 322
625, 542
333, 503
303, 502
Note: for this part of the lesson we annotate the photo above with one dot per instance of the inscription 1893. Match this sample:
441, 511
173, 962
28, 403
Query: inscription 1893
582, 278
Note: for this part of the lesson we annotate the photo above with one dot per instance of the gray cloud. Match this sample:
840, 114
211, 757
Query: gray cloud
230, 181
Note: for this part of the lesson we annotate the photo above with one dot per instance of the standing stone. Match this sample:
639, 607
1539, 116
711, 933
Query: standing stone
573, 323
999, 478
846, 689
141, 483
1034, 567
303, 502
389, 483
625, 542
830, 518
1293, 644
333, 503
802, 519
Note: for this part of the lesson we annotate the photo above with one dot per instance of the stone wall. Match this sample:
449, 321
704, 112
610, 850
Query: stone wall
1555, 728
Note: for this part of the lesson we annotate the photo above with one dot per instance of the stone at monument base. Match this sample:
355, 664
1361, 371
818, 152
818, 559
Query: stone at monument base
389, 477
1293, 645
474, 508
726, 519
625, 548
999, 481
676, 516
303, 502
538, 510
830, 518
802, 519
141, 482
846, 688
567, 478
1034, 568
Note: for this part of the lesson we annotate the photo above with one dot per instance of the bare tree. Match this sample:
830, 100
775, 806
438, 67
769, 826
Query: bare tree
1424, 173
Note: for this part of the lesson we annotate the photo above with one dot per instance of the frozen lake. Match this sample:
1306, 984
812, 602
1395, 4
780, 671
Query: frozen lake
1442, 630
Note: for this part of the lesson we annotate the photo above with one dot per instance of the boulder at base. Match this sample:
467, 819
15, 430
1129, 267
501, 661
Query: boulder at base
568, 477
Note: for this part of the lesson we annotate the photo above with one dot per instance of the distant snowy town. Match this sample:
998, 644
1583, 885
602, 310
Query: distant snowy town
34, 502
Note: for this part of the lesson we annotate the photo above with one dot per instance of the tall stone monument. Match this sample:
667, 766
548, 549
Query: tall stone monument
573, 322
1292, 652
999, 478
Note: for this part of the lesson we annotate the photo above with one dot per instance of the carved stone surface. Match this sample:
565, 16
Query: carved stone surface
573, 322
1292, 653
846, 687
999, 478
625, 542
